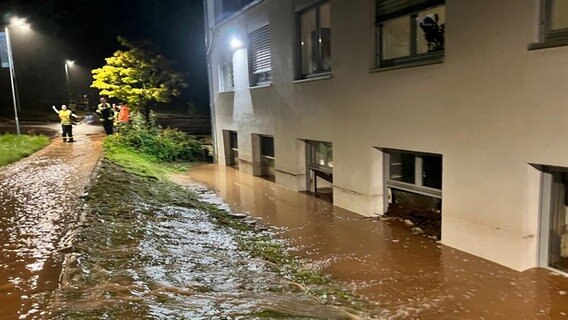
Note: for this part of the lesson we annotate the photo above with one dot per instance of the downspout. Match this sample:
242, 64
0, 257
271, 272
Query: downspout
208, 46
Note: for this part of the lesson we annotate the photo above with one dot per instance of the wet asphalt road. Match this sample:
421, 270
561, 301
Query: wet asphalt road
39, 209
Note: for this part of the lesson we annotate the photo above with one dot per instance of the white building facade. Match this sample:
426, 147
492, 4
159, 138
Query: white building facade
460, 106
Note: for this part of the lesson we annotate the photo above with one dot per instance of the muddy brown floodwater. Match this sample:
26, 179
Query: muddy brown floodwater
156, 252
38, 200
409, 276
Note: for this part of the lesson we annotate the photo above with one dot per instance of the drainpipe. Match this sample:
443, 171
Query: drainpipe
208, 46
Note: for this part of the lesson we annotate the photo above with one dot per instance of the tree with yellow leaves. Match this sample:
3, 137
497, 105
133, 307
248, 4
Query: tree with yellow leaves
138, 75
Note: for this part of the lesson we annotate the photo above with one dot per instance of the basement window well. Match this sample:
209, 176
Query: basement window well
319, 175
554, 219
263, 156
231, 144
413, 183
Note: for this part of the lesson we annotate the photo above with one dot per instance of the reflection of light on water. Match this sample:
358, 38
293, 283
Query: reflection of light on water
37, 200
40, 204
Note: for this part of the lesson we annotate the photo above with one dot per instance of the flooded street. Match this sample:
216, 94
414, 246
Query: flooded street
39, 197
156, 253
409, 276
139, 248
136, 248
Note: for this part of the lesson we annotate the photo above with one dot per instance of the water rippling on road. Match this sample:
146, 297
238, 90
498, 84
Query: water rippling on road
145, 253
38, 202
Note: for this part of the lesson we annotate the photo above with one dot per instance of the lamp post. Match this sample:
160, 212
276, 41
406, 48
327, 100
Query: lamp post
18, 23
68, 64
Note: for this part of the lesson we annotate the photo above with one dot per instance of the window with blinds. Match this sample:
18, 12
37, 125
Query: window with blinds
260, 56
410, 31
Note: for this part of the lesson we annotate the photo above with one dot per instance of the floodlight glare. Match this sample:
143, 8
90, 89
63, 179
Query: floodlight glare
19, 23
70, 62
236, 43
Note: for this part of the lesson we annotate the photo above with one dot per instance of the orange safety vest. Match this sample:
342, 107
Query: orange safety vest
124, 114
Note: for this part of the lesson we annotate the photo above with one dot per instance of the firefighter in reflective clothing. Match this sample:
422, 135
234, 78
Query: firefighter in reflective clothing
107, 116
66, 116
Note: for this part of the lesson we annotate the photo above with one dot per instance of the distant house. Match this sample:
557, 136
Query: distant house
457, 108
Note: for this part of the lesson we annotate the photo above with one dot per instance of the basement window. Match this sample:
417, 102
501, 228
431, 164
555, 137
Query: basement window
555, 20
415, 171
267, 158
413, 183
554, 219
231, 145
319, 174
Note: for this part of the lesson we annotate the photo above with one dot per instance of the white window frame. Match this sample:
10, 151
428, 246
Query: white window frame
416, 187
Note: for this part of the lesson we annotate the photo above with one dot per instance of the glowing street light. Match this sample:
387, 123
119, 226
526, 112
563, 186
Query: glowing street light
68, 64
20, 23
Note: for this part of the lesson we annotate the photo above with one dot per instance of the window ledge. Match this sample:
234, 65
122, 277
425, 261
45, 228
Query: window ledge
316, 78
426, 191
548, 44
407, 65
227, 91
261, 86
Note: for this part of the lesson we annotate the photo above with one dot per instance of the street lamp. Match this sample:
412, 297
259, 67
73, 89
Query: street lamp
68, 64
15, 22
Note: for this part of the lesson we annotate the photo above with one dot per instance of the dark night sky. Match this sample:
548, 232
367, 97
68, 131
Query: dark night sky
86, 31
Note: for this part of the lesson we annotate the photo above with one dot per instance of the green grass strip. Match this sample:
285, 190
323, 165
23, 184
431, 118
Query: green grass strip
14, 148
138, 163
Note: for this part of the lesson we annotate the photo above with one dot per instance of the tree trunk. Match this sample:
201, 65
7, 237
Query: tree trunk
146, 113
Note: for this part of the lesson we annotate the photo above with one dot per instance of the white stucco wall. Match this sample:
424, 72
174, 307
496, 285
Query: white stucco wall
492, 108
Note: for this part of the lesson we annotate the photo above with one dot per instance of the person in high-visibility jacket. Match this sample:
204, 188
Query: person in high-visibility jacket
66, 116
107, 115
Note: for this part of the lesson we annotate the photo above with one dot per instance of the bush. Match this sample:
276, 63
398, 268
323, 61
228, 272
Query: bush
166, 145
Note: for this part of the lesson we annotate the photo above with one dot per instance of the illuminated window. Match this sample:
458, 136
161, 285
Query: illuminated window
321, 154
410, 31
